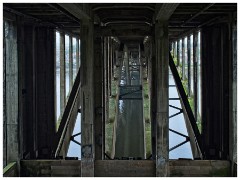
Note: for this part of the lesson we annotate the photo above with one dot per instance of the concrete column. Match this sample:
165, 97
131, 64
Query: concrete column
87, 100
195, 73
106, 96
21, 84
188, 61
44, 56
103, 97
70, 63
233, 99
183, 59
216, 59
4, 100
162, 58
98, 96
29, 122
109, 65
62, 73
11, 75
153, 98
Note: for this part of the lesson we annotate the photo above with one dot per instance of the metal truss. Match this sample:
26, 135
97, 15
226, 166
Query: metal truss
73, 140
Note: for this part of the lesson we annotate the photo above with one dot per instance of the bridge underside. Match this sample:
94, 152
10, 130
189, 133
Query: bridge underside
63, 62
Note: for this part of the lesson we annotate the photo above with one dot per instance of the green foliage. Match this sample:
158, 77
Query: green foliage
175, 61
199, 125
191, 102
190, 98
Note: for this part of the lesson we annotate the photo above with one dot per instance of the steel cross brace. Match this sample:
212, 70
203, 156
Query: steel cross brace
180, 144
73, 140
180, 111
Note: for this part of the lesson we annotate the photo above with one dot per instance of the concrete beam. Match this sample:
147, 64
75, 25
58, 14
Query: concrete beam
162, 113
197, 14
76, 9
165, 11
126, 31
116, 168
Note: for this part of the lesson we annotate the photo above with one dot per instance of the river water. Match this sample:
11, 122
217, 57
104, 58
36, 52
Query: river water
130, 137
130, 123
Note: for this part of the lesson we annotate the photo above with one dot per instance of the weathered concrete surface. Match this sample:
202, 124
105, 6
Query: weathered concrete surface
87, 100
50, 168
162, 129
11, 170
124, 168
199, 168
11, 108
233, 103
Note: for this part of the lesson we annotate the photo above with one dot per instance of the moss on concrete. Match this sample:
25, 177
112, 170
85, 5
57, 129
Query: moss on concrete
146, 102
112, 116
9, 166
109, 137
148, 138
223, 172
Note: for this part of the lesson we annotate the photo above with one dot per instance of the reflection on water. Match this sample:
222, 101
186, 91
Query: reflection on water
130, 131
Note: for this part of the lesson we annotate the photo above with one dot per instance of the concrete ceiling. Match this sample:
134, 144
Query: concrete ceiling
130, 22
